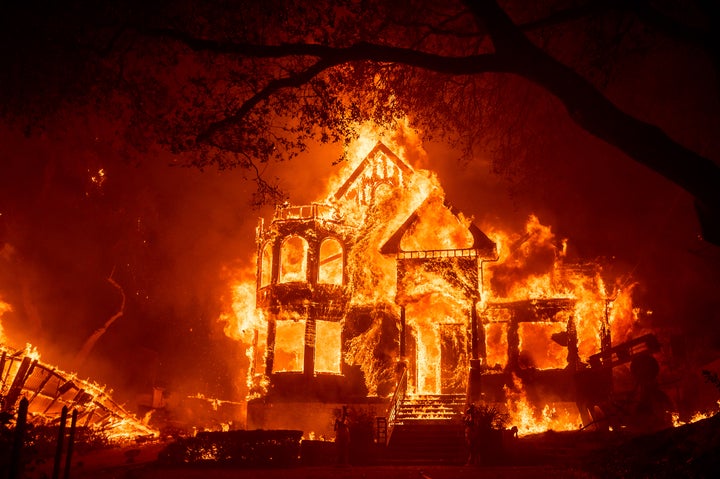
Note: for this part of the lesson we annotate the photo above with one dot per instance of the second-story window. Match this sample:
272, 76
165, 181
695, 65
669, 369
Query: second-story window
330, 268
266, 265
293, 260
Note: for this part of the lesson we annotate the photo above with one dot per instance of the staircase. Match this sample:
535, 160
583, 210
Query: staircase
427, 429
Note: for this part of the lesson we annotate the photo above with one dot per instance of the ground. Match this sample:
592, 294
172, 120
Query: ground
115, 464
691, 451
374, 472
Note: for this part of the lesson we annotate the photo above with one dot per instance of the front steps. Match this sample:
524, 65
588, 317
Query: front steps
428, 429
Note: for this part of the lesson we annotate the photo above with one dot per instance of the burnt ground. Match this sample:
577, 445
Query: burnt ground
691, 451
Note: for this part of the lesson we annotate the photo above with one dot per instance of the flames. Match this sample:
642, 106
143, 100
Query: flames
4, 308
48, 389
530, 419
531, 264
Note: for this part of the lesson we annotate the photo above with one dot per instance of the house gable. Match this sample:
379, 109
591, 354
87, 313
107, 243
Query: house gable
481, 245
380, 167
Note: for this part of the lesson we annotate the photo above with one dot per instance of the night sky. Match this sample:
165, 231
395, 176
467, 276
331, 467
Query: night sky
174, 237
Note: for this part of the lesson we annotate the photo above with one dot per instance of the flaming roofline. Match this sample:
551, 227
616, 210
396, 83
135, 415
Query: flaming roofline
378, 148
482, 247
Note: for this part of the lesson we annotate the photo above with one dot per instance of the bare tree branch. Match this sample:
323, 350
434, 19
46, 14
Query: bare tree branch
592, 111
89, 343
514, 53
210, 135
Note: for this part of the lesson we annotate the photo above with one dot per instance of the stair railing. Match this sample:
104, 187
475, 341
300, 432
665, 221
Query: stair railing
395, 402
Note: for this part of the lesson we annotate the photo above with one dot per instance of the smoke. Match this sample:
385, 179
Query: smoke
167, 233
4, 307
171, 234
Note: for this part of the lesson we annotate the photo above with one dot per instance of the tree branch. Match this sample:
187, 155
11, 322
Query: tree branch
212, 133
361, 51
514, 53
592, 111
331, 57
97, 334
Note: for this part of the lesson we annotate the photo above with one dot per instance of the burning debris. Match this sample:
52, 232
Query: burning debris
383, 293
48, 390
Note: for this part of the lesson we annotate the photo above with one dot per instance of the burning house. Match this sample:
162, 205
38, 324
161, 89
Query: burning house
384, 296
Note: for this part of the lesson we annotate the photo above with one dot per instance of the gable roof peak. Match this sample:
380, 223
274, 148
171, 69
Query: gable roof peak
380, 150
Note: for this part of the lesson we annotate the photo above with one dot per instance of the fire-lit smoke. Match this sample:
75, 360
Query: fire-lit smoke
4, 308
533, 265
528, 261
245, 323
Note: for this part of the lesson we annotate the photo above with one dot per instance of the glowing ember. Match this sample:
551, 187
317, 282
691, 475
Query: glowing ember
698, 416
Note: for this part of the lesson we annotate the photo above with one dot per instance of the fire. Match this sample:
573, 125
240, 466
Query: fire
698, 416
415, 263
244, 318
48, 389
4, 308
246, 324
529, 263
327, 358
31, 352
531, 420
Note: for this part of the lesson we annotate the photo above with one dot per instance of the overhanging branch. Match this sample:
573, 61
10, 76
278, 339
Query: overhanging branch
210, 135
596, 114
514, 53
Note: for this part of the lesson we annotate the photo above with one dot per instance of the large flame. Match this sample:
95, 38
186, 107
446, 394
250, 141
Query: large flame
531, 265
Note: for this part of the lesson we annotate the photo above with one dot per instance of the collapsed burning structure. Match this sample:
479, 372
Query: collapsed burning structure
383, 294
48, 390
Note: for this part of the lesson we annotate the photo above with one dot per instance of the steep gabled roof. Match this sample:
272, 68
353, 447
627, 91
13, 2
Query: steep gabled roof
484, 245
379, 148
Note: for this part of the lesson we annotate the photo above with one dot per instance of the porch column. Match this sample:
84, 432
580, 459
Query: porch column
402, 333
309, 356
270, 355
474, 378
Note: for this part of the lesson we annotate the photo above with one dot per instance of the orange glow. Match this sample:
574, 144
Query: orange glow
331, 262
437, 229
698, 416
293, 260
4, 308
289, 346
327, 346
266, 265
49, 388
496, 344
245, 323
536, 310
537, 349
530, 419
431, 302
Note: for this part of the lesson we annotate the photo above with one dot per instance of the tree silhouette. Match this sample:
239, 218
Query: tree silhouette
239, 85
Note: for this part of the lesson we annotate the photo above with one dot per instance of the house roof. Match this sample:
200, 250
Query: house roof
484, 245
365, 163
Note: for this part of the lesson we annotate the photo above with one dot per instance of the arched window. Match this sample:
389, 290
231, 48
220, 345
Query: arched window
293, 260
382, 191
330, 269
266, 261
